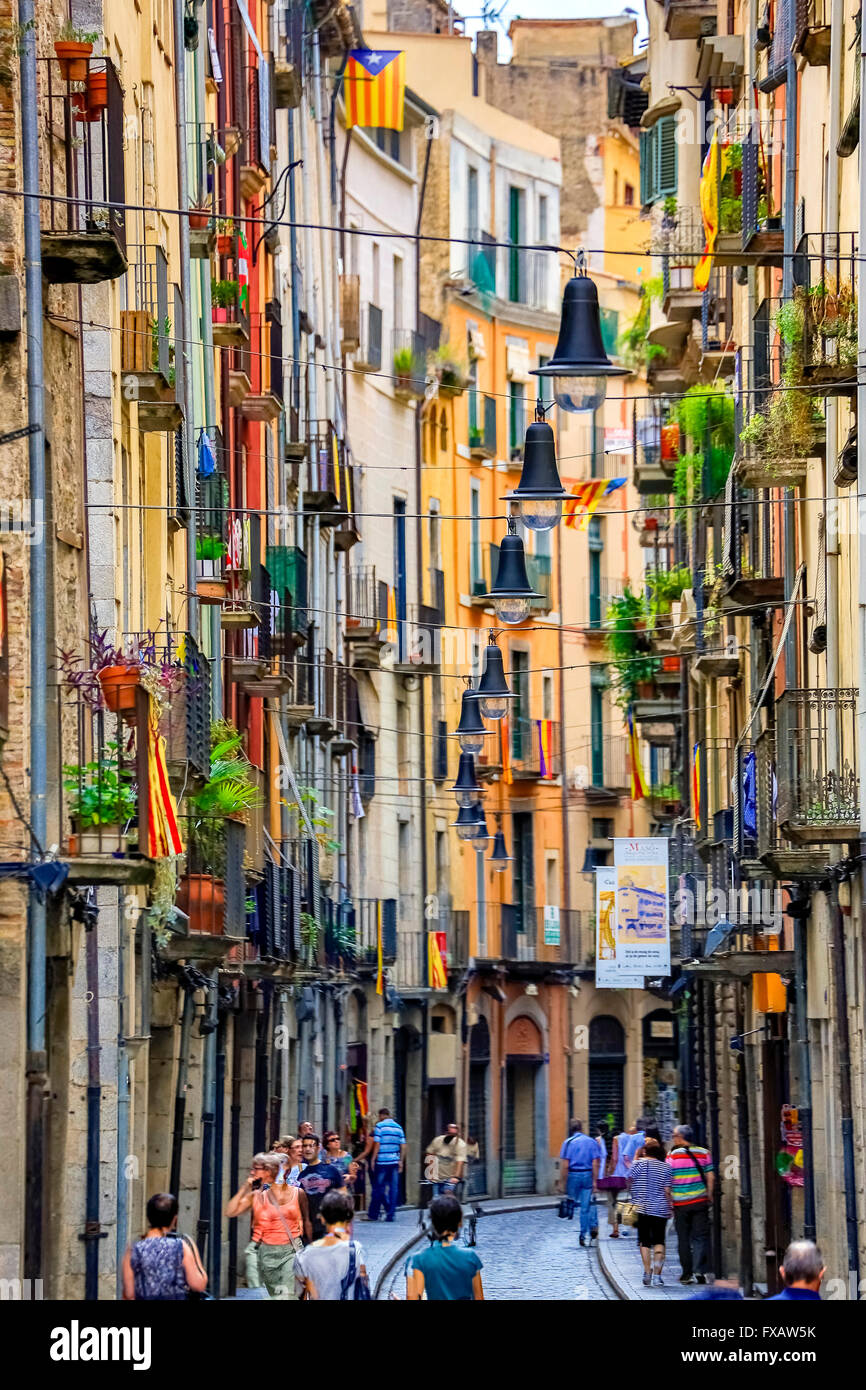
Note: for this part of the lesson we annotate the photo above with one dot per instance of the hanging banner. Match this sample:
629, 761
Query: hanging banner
608, 974
437, 953
642, 924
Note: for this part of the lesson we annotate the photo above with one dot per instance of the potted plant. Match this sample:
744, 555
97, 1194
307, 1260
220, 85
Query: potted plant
225, 236
73, 48
224, 293
96, 91
404, 363
102, 802
450, 371
199, 214
229, 794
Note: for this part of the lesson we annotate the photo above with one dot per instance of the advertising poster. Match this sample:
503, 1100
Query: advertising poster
608, 972
551, 926
643, 940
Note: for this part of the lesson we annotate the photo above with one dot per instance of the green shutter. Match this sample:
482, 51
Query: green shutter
647, 152
666, 156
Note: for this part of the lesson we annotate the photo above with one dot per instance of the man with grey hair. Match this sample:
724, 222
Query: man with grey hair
802, 1271
690, 1192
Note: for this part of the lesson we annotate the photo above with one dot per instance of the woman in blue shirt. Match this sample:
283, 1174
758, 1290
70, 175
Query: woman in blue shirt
446, 1271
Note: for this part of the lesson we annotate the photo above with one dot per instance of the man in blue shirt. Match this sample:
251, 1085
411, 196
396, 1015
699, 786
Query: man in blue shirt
388, 1157
578, 1160
802, 1272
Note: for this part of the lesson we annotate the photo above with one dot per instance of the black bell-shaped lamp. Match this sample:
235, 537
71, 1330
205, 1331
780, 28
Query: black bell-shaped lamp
493, 690
466, 823
539, 495
511, 593
500, 858
471, 731
466, 788
580, 367
481, 838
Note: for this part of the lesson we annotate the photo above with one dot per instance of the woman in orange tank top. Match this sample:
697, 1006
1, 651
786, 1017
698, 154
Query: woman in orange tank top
279, 1218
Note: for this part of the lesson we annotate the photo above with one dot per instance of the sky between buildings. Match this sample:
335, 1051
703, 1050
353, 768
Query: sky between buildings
545, 9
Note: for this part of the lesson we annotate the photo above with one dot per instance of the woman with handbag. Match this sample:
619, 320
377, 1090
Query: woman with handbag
647, 1180
162, 1266
615, 1182
280, 1216
332, 1269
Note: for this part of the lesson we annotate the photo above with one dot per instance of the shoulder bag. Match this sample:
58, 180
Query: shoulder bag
362, 1283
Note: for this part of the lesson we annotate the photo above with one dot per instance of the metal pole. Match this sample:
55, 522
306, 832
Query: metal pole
92, 1233
180, 1093
207, 1127
184, 347
37, 1057
216, 1247
804, 1059
747, 1273
234, 1149
713, 1107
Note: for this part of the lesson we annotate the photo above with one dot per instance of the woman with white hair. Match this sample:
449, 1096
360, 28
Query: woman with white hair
279, 1217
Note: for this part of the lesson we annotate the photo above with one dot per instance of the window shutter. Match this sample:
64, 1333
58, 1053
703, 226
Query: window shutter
666, 156
647, 147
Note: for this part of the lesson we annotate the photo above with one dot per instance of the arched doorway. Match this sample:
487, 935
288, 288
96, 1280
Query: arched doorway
479, 1074
606, 1071
524, 1060
660, 1070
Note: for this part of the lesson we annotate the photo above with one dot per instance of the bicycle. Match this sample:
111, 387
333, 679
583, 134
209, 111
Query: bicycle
469, 1228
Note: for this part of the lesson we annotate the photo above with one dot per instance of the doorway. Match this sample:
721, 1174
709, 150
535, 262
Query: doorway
479, 1073
525, 1125
606, 1073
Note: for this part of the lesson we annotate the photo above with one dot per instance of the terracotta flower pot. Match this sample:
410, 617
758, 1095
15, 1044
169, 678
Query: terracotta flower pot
651, 523
199, 218
72, 58
97, 92
203, 898
646, 690
224, 244
118, 685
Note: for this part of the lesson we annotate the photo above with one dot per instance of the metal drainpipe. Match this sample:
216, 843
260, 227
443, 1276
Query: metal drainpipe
566, 847
790, 217
713, 1105
92, 1233
805, 1067
186, 290
36, 1063
180, 1093
840, 982
419, 585
219, 1139
235, 1143
207, 1126
747, 1271
123, 1097
206, 335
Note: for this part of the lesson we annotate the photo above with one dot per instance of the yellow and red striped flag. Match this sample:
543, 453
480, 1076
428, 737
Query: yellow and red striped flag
714, 170
585, 497
696, 785
375, 86
545, 749
638, 782
437, 976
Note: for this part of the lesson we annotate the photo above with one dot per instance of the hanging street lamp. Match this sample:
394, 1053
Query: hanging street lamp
493, 691
580, 367
500, 857
511, 593
471, 730
539, 495
466, 823
466, 788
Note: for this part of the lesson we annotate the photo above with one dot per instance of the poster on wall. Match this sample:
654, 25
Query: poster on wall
643, 939
608, 972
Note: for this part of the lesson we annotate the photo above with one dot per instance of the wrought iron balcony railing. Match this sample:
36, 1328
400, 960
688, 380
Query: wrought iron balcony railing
816, 766
212, 890
482, 424
287, 566
534, 748
368, 356
536, 934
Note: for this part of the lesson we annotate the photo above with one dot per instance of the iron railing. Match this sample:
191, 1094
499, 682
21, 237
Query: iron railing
103, 794
185, 720
212, 505
601, 764
535, 748
825, 287
365, 613
287, 566
212, 887
374, 917
408, 361
597, 599
529, 933
368, 357
526, 277
481, 258
816, 765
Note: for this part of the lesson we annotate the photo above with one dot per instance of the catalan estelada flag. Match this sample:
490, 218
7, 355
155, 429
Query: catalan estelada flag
380, 974
585, 497
437, 976
545, 748
696, 784
374, 85
638, 782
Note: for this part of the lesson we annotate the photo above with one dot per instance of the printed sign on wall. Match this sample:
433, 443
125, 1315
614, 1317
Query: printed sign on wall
643, 939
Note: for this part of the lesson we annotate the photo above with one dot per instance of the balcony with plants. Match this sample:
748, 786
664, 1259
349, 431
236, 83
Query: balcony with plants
408, 364
780, 423
825, 273
287, 567
452, 372
230, 319
482, 424
82, 157
149, 359
330, 484
212, 517
535, 750
705, 421
749, 575
656, 445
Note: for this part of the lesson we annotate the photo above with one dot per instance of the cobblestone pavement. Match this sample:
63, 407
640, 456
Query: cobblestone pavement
528, 1256
620, 1259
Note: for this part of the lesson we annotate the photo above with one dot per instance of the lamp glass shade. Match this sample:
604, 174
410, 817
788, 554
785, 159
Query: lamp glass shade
539, 495
576, 394
540, 513
493, 691
580, 366
511, 593
466, 823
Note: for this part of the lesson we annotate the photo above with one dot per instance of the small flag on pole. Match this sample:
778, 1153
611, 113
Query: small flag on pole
585, 498
638, 782
375, 86
696, 784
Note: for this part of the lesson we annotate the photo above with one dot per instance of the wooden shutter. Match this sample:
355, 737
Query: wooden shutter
647, 173
666, 157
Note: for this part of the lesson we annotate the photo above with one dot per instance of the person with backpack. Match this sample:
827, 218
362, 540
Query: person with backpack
280, 1215
332, 1269
579, 1158
690, 1192
162, 1266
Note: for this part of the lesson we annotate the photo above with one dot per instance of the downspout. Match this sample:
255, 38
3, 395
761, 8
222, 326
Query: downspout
235, 1146
219, 1139
713, 1106
804, 1062
206, 335
568, 939
92, 1233
419, 585
36, 1063
180, 1092
186, 290
747, 1272
123, 1098
789, 558
207, 1121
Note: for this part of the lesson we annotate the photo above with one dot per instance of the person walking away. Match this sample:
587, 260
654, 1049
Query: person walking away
690, 1192
162, 1266
329, 1269
448, 1154
445, 1272
634, 1141
578, 1174
316, 1179
279, 1217
802, 1270
388, 1157
615, 1182
648, 1180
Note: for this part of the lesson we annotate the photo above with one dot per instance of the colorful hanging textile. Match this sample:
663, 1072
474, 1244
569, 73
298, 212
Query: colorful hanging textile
545, 748
505, 749
638, 781
380, 974
715, 166
696, 785
163, 833
585, 498
437, 974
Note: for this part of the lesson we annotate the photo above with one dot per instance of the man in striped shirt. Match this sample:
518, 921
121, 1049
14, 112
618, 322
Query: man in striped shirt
690, 1192
388, 1157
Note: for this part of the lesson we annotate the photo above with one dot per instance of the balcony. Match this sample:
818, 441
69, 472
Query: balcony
656, 447
481, 259
601, 767
149, 360
542, 940
482, 425
347, 715
455, 924
595, 603
230, 320
350, 313
763, 234
212, 518
368, 357
287, 566
539, 569
322, 494
752, 561
264, 402
419, 641
527, 278
288, 55
812, 31
408, 364
273, 921
83, 242
782, 859
300, 705
653, 523
689, 19
185, 721
816, 766
372, 916
212, 893
826, 280
534, 749
366, 617
103, 796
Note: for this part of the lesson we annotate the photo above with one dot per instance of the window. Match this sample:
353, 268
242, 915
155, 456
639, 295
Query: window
398, 291
551, 880
596, 723
516, 416
542, 217
519, 713
476, 569
516, 271
472, 200
628, 195
388, 142
615, 187
658, 160
547, 695
443, 430
602, 828
434, 534
473, 398
545, 385
376, 277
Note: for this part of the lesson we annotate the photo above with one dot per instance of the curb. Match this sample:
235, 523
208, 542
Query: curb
611, 1279
417, 1237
